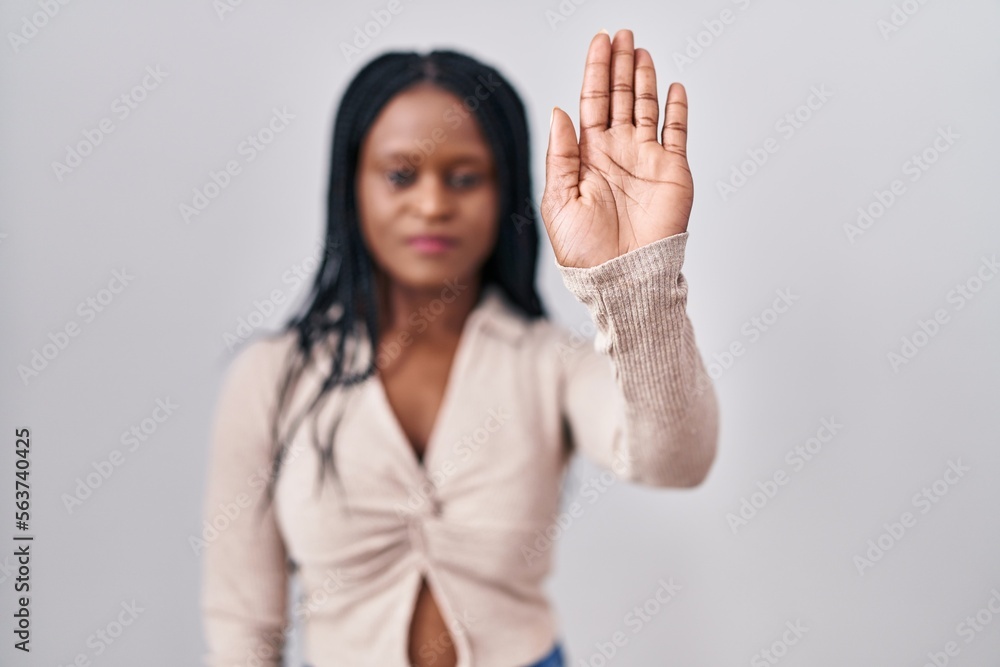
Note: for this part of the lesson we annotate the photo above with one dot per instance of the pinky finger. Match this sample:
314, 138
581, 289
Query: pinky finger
675, 120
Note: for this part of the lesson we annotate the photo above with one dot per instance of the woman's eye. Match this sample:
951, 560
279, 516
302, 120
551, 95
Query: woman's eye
466, 180
402, 177
399, 177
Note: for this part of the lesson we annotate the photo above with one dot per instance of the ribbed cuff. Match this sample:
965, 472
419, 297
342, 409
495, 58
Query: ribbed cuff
665, 256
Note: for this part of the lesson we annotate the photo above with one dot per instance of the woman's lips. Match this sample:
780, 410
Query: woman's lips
431, 244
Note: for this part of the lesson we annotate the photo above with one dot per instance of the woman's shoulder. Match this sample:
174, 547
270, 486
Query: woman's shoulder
261, 359
551, 340
517, 327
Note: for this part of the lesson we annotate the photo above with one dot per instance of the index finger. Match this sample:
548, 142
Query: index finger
675, 120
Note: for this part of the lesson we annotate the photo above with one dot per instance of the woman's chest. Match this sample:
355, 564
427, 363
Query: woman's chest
494, 455
415, 387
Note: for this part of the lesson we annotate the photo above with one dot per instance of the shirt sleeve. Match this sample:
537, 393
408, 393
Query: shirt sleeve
638, 400
244, 564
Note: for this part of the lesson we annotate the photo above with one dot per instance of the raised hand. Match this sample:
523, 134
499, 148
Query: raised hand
620, 187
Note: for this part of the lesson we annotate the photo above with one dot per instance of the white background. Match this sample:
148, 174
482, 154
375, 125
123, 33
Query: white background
783, 229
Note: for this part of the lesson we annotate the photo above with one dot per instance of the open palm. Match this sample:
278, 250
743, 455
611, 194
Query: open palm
619, 188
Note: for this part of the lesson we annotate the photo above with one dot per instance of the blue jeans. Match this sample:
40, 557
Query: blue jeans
554, 659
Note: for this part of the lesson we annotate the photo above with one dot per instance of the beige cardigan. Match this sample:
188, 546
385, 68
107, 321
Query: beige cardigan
521, 396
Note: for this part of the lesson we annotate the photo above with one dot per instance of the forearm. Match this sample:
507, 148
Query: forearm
669, 426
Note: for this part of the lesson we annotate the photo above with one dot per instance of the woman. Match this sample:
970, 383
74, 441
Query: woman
424, 374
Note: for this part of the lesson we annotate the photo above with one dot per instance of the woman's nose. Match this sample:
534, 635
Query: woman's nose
433, 198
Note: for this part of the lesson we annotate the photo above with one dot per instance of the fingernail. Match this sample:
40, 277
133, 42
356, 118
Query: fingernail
552, 118
605, 31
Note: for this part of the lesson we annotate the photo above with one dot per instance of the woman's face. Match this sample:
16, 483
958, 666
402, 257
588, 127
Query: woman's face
427, 191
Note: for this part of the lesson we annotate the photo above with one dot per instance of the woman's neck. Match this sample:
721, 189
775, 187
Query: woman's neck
427, 312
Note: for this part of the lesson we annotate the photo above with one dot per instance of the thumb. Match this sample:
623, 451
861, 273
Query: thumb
562, 162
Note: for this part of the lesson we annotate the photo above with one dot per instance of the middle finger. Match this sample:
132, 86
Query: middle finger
622, 73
